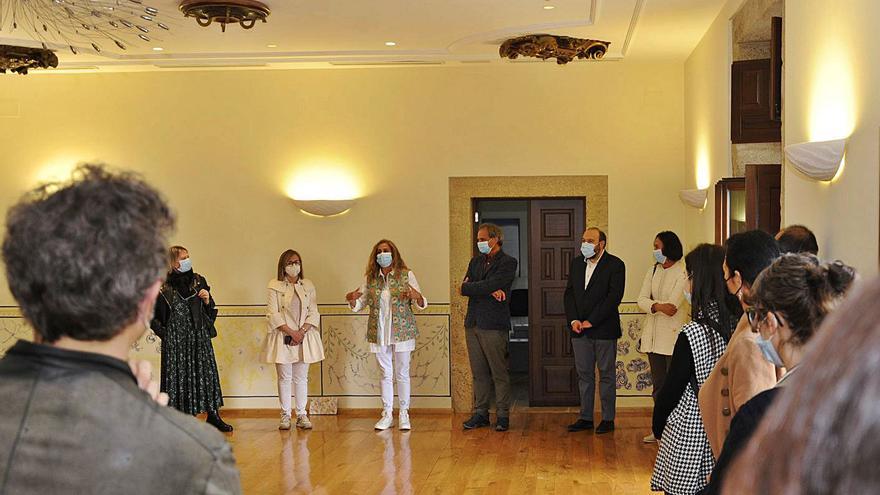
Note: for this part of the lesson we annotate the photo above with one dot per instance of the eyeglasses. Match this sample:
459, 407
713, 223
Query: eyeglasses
293, 263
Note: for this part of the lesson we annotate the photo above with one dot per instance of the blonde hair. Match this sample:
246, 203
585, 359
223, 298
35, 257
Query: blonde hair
397, 263
174, 254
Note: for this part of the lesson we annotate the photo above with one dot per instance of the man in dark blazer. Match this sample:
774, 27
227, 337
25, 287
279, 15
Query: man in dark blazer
592, 297
487, 326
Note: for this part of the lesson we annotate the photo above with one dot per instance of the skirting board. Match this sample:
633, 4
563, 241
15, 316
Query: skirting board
417, 402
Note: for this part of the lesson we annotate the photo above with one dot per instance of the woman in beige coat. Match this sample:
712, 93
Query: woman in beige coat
742, 372
662, 298
293, 341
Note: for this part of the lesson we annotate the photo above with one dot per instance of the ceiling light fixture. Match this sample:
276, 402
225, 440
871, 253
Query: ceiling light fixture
245, 13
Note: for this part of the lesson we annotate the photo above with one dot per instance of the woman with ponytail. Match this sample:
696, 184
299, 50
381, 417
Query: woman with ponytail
791, 299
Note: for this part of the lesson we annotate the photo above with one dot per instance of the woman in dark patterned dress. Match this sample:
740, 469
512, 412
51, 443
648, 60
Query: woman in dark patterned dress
184, 320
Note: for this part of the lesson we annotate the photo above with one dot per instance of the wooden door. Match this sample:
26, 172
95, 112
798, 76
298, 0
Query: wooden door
556, 226
750, 105
763, 197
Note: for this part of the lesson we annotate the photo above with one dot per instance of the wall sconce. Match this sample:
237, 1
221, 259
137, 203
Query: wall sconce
324, 207
695, 198
819, 160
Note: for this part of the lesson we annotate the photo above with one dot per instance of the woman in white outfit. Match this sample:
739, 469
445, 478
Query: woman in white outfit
661, 298
293, 341
390, 290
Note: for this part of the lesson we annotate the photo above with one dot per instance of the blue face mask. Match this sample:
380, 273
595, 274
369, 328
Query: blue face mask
185, 265
687, 297
588, 250
384, 259
769, 351
658, 255
483, 247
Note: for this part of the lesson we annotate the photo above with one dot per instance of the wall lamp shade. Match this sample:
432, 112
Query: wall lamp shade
695, 198
324, 207
818, 160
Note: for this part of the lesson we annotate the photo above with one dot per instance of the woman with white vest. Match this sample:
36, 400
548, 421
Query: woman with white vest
390, 290
293, 341
661, 297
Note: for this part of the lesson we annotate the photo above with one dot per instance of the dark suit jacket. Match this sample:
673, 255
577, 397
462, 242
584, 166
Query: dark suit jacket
599, 302
76, 422
483, 279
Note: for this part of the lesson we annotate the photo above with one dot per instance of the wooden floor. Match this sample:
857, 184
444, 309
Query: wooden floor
343, 454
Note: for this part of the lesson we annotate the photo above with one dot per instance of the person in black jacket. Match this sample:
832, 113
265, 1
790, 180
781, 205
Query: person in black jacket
487, 325
184, 320
595, 288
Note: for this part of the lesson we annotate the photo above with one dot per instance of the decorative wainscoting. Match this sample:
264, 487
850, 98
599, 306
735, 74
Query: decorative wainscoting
349, 371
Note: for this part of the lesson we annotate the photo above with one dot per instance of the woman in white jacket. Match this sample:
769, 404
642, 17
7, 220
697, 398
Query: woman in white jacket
661, 297
293, 341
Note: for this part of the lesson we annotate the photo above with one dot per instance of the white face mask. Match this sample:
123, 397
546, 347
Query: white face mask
658, 256
483, 247
588, 250
384, 259
292, 269
185, 265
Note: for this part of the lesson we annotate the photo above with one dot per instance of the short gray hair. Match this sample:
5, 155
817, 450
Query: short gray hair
494, 231
80, 256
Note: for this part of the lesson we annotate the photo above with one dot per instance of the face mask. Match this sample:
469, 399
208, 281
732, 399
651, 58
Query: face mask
185, 265
384, 259
658, 255
687, 297
483, 247
588, 250
292, 269
769, 351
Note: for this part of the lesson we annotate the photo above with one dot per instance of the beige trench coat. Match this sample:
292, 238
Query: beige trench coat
280, 295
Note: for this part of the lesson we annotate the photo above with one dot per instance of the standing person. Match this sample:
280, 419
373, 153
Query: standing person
661, 298
184, 320
390, 289
72, 417
742, 372
293, 341
791, 300
685, 459
487, 286
592, 298
797, 239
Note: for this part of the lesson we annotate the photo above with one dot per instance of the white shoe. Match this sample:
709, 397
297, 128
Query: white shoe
303, 423
404, 420
285, 422
386, 422
649, 439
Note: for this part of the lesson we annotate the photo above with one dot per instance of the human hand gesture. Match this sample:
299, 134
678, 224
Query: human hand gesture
576, 327
205, 296
143, 372
415, 296
499, 295
353, 296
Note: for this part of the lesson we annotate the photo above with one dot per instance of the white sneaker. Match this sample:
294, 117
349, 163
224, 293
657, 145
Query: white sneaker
386, 422
285, 422
404, 420
649, 439
303, 423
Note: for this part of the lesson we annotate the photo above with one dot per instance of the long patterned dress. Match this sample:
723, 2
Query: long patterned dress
189, 368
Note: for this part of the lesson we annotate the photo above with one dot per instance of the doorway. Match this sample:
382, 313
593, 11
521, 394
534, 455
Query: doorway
543, 235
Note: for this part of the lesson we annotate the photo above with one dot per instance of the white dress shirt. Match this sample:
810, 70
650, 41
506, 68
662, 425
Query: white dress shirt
591, 267
385, 336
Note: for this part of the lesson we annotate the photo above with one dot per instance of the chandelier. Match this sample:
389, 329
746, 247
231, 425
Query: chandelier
245, 13
563, 48
81, 24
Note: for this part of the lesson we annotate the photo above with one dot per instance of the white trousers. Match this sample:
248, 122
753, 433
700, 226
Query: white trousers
298, 375
395, 367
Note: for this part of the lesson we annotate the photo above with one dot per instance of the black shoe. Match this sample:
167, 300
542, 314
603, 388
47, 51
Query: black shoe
580, 425
605, 427
502, 424
215, 421
476, 421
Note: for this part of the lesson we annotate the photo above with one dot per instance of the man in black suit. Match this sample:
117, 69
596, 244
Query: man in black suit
487, 325
595, 289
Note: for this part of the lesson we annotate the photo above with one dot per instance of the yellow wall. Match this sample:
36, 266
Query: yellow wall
223, 146
707, 121
831, 79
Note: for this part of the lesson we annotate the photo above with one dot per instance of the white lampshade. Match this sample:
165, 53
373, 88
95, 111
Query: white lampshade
695, 198
818, 160
324, 207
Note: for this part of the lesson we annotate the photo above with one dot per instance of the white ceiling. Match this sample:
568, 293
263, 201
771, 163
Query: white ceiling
309, 33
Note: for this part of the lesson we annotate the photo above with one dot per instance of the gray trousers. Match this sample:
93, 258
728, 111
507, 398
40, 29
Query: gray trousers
487, 351
589, 354
659, 368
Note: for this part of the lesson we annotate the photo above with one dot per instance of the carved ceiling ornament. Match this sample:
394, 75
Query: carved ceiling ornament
563, 48
245, 13
21, 58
